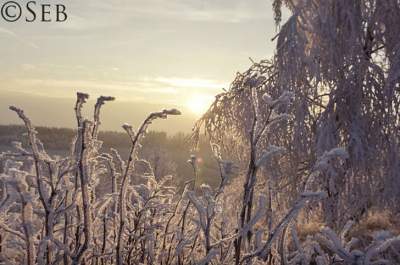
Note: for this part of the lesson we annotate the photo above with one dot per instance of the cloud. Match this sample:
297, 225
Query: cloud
115, 86
92, 14
13, 35
28, 67
8, 32
206, 11
190, 83
152, 50
158, 90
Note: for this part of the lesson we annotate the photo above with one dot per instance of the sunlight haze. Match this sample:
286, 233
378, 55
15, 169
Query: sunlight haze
155, 53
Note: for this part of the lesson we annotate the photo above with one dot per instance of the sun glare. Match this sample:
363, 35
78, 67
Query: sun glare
198, 104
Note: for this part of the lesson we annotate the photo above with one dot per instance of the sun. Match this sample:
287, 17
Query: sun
198, 104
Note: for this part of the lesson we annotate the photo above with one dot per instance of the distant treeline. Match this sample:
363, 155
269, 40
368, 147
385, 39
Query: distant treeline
57, 138
168, 154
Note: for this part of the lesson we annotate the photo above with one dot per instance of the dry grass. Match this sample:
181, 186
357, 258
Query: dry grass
376, 221
309, 229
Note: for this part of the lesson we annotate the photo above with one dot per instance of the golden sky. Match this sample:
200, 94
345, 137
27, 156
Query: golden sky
148, 53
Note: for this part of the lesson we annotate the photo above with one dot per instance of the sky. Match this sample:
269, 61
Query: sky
149, 54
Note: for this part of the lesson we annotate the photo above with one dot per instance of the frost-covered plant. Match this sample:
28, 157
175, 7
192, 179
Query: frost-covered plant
55, 210
340, 59
328, 247
56, 197
317, 123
